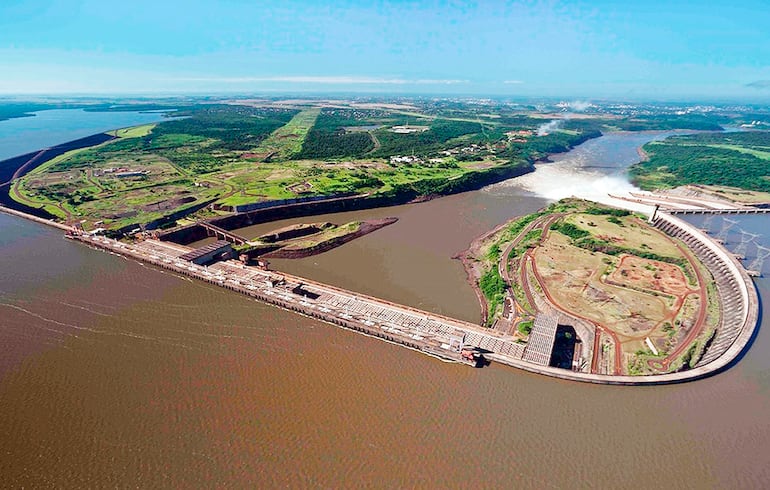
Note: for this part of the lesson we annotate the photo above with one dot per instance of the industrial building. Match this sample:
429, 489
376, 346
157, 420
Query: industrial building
209, 253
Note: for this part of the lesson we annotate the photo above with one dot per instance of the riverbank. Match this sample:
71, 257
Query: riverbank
36, 219
473, 269
678, 161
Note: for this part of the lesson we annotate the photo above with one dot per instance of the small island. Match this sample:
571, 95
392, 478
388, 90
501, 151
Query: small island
307, 239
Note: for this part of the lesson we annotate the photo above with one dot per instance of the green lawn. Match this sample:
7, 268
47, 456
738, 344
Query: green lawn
133, 132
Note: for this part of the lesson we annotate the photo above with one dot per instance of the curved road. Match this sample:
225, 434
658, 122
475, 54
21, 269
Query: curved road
528, 259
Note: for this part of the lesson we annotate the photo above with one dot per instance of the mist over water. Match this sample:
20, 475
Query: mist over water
592, 171
554, 181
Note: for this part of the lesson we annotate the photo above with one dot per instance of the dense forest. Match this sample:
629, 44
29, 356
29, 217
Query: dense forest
426, 142
335, 144
731, 159
664, 122
540, 147
233, 127
329, 139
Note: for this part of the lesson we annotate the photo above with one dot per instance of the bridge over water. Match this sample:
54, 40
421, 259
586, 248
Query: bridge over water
716, 211
216, 231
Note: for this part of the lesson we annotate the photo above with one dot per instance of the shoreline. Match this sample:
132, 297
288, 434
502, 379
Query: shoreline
642, 154
471, 273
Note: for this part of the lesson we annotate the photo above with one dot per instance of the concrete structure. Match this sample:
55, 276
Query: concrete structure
425, 331
37, 219
738, 296
717, 211
221, 233
207, 253
137, 173
541, 339
433, 334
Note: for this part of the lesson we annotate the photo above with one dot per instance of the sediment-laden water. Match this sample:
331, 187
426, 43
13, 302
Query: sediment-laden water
116, 374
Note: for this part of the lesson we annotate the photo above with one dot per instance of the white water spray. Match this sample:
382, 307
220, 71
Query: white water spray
569, 177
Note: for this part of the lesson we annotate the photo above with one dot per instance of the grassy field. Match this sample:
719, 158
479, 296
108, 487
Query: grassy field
133, 132
221, 152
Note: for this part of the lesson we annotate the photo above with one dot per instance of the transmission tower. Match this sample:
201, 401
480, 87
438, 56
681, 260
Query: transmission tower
727, 224
757, 263
746, 239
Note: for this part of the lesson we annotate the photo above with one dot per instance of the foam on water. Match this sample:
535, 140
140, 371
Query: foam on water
569, 177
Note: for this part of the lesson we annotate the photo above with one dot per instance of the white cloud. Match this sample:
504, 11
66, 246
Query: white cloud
513, 82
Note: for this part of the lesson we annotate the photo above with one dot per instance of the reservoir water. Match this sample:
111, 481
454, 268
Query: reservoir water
117, 374
50, 128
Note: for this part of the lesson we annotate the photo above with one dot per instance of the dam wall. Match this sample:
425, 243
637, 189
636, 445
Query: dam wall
36, 219
434, 334
427, 332
738, 296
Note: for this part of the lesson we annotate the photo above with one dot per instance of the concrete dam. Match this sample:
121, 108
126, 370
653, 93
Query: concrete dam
445, 337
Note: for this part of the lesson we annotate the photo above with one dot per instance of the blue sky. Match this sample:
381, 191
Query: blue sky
594, 48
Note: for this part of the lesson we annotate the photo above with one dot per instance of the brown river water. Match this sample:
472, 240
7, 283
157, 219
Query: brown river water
117, 374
